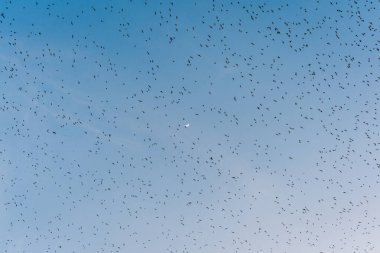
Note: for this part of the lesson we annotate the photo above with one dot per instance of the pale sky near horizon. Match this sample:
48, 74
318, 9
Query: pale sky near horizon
189, 126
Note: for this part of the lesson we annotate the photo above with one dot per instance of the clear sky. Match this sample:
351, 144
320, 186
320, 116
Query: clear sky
189, 126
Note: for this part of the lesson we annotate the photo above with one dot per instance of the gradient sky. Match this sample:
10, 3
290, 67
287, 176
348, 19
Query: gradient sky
189, 126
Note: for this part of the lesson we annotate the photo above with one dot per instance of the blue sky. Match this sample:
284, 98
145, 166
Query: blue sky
189, 126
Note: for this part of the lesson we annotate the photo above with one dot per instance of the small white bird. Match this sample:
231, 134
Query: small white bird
187, 125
